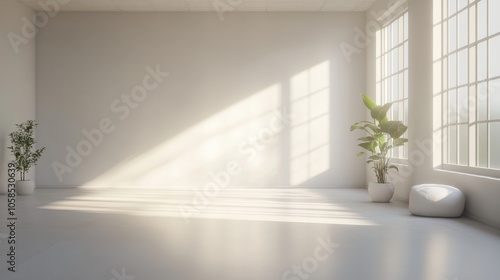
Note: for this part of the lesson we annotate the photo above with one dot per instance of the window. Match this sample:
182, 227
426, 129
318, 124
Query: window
392, 73
467, 80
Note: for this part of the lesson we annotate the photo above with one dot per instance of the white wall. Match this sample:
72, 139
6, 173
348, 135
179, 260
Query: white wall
17, 78
482, 193
226, 80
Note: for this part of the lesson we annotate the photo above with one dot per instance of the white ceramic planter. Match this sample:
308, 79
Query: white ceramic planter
25, 187
381, 192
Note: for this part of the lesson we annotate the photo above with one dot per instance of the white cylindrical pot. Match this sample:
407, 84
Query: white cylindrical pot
25, 187
381, 192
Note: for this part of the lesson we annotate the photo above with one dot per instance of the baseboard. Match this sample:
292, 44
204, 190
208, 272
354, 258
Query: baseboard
482, 220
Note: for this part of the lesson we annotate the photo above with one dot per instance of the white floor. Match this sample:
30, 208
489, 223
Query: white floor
255, 234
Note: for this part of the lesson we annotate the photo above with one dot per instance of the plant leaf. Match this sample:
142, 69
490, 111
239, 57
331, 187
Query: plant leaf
399, 142
394, 167
379, 113
394, 128
369, 103
371, 126
355, 126
369, 146
360, 154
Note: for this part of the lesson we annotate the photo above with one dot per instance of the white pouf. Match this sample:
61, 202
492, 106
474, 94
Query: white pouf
433, 200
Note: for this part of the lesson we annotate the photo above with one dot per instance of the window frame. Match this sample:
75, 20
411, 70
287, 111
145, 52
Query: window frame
383, 78
453, 162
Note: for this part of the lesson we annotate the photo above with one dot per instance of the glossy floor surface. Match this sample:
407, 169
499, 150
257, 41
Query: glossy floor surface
254, 234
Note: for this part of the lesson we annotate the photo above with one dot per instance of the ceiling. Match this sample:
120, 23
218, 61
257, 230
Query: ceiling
205, 5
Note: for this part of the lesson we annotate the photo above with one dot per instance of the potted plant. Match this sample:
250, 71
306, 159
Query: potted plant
382, 136
26, 157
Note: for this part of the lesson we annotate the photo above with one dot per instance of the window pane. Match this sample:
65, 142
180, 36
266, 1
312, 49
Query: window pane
445, 145
395, 111
472, 104
406, 55
378, 67
445, 37
452, 144
401, 86
395, 60
494, 145
494, 101
463, 67
452, 34
452, 106
452, 7
482, 61
482, 102
472, 24
406, 26
445, 108
493, 18
463, 109
463, 145
462, 4
378, 46
406, 84
401, 58
395, 33
387, 40
395, 88
386, 65
452, 71
463, 28
482, 17
472, 64
405, 110
494, 57
395, 153
387, 90
482, 145
445, 73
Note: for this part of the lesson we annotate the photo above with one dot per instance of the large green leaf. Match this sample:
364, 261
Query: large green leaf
394, 128
380, 112
369, 146
399, 142
369, 103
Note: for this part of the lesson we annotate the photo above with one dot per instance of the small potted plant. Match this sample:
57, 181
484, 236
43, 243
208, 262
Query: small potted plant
382, 136
25, 155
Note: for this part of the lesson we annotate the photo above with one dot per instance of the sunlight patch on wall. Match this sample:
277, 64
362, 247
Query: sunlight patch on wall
310, 106
242, 132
